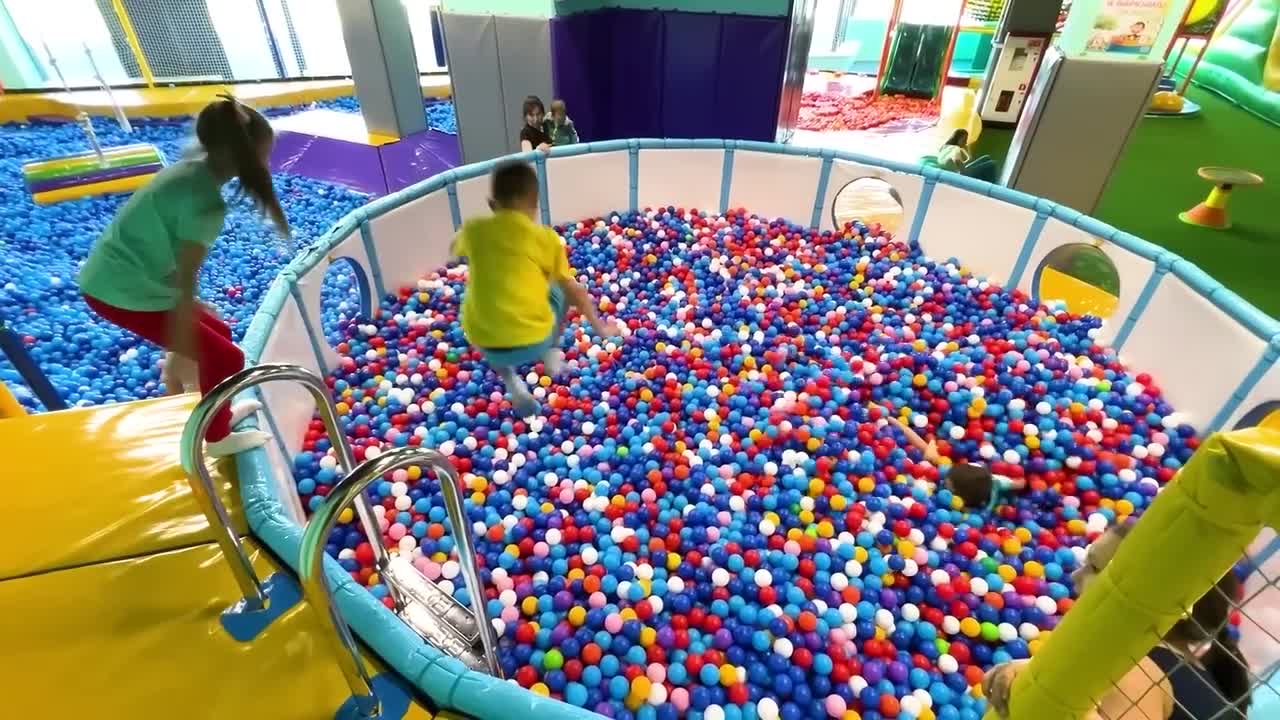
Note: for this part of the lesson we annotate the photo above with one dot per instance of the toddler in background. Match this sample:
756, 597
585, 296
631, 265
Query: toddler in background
954, 155
559, 127
519, 285
975, 485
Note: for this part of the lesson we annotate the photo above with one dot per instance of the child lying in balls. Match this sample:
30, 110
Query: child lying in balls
519, 285
975, 485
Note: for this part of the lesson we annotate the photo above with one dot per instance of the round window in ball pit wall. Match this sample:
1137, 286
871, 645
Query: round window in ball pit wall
345, 295
870, 200
1266, 415
1080, 275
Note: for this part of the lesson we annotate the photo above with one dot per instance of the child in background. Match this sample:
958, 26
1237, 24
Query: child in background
519, 284
1209, 685
142, 273
532, 134
975, 485
559, 127
954, 155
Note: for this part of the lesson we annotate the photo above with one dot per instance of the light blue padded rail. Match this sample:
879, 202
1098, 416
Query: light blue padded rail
446, 680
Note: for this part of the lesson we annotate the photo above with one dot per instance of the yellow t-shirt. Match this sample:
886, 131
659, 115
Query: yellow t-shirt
511, 263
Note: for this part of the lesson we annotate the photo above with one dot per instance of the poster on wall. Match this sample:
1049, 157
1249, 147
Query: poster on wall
1127, 27
1121, 30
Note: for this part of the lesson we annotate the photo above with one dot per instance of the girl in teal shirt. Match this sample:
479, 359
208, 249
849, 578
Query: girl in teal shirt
142, 272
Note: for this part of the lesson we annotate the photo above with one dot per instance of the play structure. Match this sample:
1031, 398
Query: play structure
401, 240
1198, 25
1242, 61
112, 170
708, 519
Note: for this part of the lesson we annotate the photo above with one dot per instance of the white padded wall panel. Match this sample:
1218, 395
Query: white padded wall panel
1196, 353
844, 172
1133, 270
773, 186
473, 197
413, 239
1267, 390
684, 178
583, 186
985, 234
291, 406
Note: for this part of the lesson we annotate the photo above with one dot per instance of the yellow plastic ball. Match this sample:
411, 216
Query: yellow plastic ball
577, 615
346, 515
728, 675
540, 689
970, 627
1033, 569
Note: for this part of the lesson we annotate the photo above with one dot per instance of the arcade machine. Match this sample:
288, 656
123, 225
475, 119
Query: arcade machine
1018, 49
1084, 104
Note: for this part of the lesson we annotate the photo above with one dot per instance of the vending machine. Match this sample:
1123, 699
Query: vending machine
1017, 54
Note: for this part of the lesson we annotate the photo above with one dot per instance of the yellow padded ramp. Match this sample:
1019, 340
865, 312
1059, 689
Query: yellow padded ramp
141, 638
116, 470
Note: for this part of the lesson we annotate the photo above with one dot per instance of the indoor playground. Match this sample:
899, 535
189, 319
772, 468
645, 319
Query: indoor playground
1038, 235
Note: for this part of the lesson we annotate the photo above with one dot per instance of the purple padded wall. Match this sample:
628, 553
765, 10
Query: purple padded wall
577, 61
637, 73
634, 92
690, 71
753, 51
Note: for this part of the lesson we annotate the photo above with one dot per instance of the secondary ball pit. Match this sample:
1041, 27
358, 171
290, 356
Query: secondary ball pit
711, 523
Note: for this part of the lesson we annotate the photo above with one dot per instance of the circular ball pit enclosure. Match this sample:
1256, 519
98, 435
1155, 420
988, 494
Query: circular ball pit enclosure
1214, 355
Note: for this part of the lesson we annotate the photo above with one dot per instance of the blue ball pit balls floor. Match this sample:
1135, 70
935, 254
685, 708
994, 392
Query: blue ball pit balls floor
708, 521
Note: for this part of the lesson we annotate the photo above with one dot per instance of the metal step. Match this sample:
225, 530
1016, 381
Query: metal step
433, 613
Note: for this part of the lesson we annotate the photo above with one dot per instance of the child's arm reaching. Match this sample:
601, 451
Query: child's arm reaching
928, 447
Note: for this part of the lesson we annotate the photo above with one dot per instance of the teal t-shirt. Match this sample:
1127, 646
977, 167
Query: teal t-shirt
132, 264
1001, 491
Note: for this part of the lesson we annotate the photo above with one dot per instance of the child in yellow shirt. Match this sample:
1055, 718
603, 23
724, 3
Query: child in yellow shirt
518, 284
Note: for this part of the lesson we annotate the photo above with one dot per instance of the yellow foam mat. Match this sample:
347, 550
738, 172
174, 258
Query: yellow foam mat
141, 638
186, 99
97, 484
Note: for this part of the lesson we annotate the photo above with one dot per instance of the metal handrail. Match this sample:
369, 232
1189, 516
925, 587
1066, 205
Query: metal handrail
314, 538
202, 485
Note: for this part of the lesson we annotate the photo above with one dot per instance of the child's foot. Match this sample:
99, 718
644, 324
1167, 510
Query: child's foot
237, 442
522, 401
553, 362
243, 409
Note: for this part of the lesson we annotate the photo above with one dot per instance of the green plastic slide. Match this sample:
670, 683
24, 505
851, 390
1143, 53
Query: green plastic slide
1243, 63
915, 60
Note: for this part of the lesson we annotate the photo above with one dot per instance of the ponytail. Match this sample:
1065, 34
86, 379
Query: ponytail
1226, 665
236, 138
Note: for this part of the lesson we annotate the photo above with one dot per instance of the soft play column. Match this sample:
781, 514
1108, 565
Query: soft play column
1191, 536
383, 66
495, 61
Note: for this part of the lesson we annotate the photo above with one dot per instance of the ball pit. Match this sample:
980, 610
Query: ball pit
709, 521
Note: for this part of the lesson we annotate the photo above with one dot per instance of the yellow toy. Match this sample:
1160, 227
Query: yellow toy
1167, 101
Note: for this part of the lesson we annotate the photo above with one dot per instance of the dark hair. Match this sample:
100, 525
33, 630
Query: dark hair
531, 103
1210, 620
233, 135
959, 137
971, 483
510, 183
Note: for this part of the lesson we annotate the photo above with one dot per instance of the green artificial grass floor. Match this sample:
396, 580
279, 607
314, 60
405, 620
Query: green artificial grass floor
1156, 179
